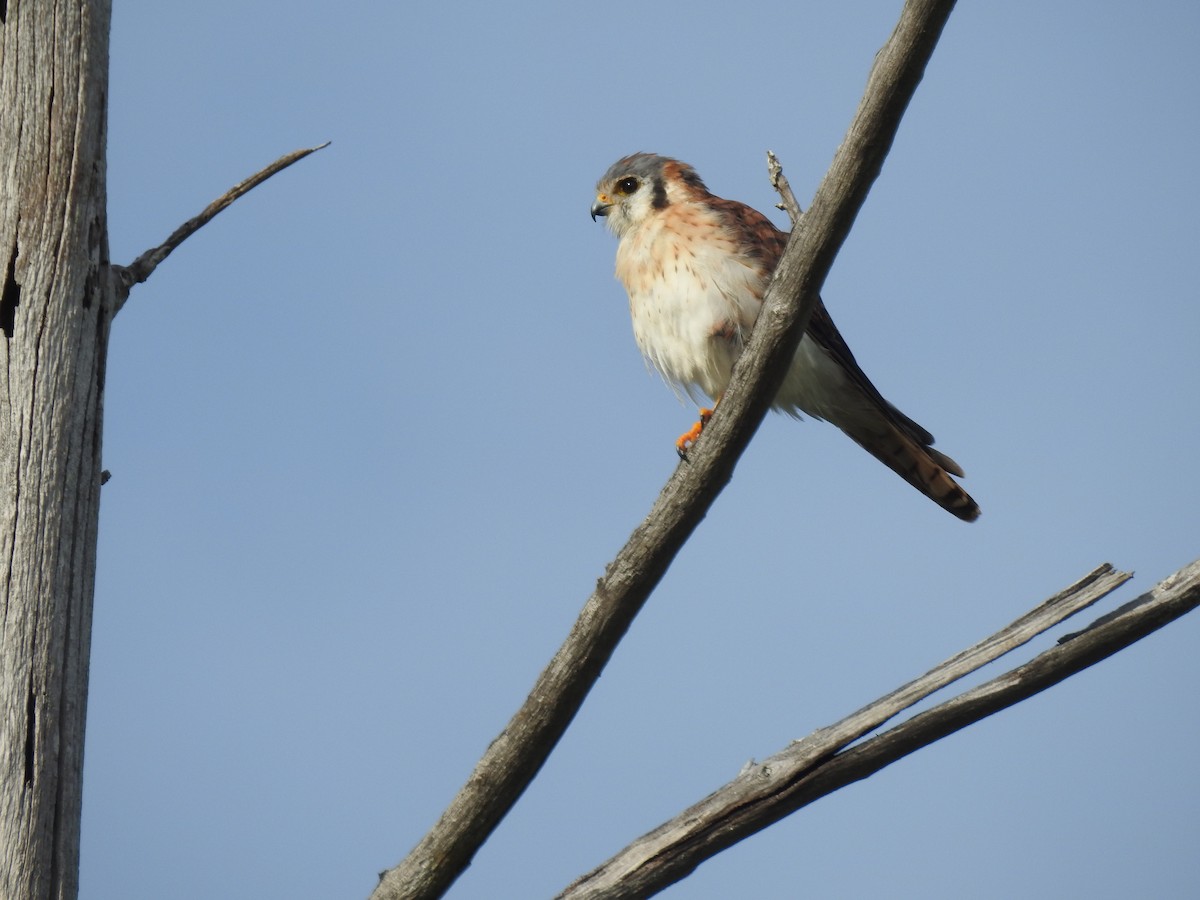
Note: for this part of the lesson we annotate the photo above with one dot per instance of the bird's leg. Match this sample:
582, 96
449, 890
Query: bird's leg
686, 440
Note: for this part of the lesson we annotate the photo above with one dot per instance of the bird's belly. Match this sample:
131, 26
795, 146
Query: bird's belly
693, 335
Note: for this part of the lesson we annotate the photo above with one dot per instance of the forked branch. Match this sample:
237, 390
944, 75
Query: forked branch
820, 764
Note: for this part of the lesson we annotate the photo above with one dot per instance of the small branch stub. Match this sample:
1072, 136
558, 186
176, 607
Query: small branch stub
780, 183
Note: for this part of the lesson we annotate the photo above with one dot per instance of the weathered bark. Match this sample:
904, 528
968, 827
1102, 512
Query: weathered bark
55, 311
59, 295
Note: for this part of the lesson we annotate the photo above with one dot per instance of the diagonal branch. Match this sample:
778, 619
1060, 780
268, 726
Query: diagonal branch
513, 759
763, 793
143, 267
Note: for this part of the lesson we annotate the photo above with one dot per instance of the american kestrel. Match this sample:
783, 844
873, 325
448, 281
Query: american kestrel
696, 267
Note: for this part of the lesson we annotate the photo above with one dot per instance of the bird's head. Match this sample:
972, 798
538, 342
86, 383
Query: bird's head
638, 186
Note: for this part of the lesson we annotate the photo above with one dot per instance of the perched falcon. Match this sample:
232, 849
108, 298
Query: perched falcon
696, 268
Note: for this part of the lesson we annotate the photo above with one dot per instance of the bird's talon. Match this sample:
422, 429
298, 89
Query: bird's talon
688, 440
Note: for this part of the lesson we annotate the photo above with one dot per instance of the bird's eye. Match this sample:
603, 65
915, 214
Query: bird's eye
627, 185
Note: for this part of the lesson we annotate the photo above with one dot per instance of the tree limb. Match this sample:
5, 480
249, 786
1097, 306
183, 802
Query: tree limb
143, 267
811, 768
518, 752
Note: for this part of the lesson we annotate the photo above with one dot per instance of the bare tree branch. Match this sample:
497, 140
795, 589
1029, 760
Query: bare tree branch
809, 769
765, 792
143, 267
518, 752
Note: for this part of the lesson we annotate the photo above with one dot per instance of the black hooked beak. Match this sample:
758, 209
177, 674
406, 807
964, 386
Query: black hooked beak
600, 207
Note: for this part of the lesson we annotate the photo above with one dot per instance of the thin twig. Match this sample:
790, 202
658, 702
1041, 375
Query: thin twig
780, 183
142, 267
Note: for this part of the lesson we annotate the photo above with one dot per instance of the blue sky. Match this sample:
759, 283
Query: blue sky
375, 431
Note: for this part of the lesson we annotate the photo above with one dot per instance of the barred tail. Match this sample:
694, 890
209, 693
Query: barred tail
926, 469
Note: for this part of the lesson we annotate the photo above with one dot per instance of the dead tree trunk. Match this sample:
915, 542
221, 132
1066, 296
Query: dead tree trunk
55, 312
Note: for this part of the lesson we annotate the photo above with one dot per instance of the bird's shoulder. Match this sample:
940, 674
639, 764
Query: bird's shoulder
755, 236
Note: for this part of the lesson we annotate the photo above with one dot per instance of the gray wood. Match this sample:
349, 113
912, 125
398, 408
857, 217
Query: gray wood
58, 296
819, 764
55, 311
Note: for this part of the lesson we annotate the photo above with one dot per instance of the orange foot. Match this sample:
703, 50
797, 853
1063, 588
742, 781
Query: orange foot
685, 442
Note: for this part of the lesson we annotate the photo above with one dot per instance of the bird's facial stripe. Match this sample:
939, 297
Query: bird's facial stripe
659, 200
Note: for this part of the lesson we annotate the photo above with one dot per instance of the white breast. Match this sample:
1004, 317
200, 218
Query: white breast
691, 297
694, 298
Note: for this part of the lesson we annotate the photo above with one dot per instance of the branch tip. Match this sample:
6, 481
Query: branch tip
779, 181
143, 267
